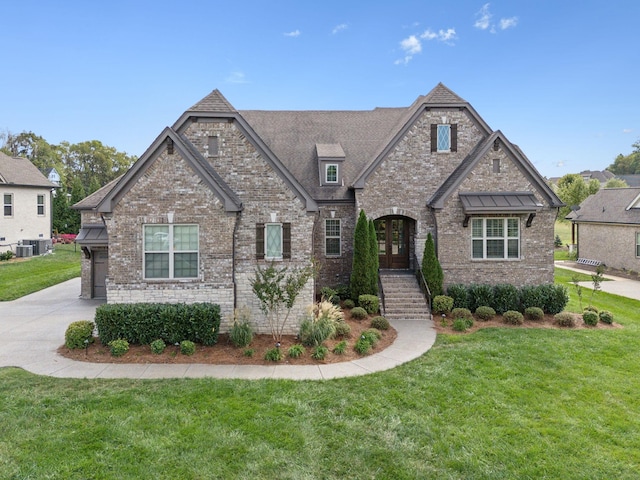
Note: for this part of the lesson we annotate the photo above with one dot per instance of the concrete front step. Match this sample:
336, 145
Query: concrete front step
403, 298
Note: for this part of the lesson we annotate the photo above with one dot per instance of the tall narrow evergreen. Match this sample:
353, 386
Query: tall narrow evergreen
360, 268
374, 262
431, 268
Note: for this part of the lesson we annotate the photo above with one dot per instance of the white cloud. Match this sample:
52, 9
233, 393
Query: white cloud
508, 22
236, 77
627, 130
295, 33
411, 46
560, 164
446, 36
339, 28
483, 21
484, 18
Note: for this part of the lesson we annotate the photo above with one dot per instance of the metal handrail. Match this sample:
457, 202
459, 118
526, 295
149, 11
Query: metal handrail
421, 280
383, 307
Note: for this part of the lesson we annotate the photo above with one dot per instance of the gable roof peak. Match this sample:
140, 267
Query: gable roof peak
442, 94
214, 102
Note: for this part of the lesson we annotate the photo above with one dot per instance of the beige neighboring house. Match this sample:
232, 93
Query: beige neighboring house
26, 205
223, 191
606, 228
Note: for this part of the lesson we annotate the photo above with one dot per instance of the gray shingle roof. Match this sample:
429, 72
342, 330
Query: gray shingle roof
292, 136
21, 172
610, 205
92, 201
214, 102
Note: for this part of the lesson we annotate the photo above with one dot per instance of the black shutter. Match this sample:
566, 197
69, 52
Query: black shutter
454, 137
286, 240
260, 241
434, 137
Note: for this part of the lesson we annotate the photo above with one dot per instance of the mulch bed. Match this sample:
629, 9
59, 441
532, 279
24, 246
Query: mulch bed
224, 353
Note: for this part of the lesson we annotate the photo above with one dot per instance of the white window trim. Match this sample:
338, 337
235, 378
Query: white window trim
339, 237
638, 244
171, 252
266, 242
505, 239
5, 204
326, 173
448, 150
38, 205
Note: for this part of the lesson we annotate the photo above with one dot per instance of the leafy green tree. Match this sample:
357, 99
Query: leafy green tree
627, 164
431, 268
77, 194
277, 289
573, 190
615, 183
62, 212
360, 270
374, 261
94, 163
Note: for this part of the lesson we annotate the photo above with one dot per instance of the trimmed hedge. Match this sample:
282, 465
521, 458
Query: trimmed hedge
79, 334
371, 303
142, 323
550, 298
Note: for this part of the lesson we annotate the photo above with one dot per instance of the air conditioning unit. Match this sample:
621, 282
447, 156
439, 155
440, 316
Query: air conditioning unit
24, 250
40, 246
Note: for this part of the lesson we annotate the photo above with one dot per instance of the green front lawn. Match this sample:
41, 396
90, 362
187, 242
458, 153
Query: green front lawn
496, 404
19, 277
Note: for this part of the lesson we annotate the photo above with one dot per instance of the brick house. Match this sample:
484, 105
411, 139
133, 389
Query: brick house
606, 228
222, 191
26, 205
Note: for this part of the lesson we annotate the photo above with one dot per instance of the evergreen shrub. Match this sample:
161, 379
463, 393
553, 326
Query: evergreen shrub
442, 304
513, 317
460, 295
79, 334
141, 323
371, 303
485, 313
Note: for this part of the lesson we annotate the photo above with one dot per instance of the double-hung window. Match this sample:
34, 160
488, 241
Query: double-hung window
40, 205
8, 205
171, 251
332, 237
495, 238
331, 173
637, 244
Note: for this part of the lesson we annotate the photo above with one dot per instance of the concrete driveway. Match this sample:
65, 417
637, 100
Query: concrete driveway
32, 329
616, 285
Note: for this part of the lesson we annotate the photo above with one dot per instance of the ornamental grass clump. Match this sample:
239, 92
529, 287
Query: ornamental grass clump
296, 351
241, 332
320, 352
320, 323
340, 348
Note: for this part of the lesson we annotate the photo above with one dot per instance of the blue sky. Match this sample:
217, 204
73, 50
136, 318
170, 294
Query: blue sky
559, 78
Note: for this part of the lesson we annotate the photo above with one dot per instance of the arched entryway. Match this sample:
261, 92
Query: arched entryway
393, 233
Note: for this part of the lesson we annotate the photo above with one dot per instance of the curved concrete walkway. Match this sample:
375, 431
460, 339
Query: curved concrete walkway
32, 328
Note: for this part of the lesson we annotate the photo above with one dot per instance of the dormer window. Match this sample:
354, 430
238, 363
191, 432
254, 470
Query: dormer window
330, 157
331, 173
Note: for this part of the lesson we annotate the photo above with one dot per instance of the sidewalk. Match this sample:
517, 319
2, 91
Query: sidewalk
32, 328
616, 285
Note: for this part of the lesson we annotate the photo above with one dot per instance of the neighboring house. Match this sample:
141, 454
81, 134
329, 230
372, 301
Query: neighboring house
223, 191
53, 176
587, 175
606, 228
26, 203
630, 180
